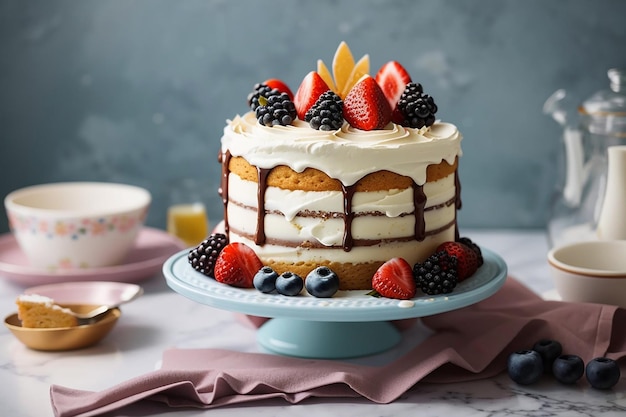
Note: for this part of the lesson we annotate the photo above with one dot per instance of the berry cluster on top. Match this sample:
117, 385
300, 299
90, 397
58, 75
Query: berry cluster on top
350, 94
238, 265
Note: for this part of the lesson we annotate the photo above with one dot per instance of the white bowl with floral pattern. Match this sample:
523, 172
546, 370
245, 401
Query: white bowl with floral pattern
70, 225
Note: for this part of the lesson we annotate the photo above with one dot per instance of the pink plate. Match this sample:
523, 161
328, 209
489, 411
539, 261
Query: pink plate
152, 248
91, 292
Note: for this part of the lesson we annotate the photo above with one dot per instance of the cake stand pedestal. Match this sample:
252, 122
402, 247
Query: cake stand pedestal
350, 324
327, 339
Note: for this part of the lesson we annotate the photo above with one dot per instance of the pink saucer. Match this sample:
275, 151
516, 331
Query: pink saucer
152, 248
90, 292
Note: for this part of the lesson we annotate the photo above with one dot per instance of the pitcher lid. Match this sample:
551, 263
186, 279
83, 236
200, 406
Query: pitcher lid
611, 102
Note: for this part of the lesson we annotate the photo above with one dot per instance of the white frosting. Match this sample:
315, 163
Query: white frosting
347, 154
42, 299
35, 298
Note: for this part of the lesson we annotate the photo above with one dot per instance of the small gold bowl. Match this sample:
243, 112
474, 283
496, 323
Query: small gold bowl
64, 338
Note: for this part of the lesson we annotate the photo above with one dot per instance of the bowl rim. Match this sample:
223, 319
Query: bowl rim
587, 272
144, 198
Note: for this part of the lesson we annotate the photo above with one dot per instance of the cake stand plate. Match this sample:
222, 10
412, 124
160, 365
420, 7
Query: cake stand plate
350, 324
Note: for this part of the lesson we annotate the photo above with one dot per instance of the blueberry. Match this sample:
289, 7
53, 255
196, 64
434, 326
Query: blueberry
568, 369
322, 282
525, 366
549, 351
602, 373
289, 283
265, 280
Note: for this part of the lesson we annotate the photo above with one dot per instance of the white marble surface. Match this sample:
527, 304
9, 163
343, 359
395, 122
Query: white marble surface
161, 319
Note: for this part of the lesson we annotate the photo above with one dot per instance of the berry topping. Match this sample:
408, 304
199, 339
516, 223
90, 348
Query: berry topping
437, 274
549, 350
276, 109
392, 79
468, 242
567, 369
365, 107
525, 366
202, 258
326, 113
275, 83
289, 284
417, 108
394, 279
467, 260
322, 282
237, 265
311, 88
602, 373
260, 90
265, 280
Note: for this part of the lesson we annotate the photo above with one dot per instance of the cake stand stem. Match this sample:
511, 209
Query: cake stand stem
327, 340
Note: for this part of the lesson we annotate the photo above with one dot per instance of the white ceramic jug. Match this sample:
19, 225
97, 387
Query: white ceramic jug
612, 220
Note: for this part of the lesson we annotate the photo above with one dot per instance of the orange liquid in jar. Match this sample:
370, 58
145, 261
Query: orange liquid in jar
188, 222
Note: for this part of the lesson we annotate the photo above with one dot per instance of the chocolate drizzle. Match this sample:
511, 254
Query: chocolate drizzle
348, 215
457, 203
419, 202
224, 159
262, 174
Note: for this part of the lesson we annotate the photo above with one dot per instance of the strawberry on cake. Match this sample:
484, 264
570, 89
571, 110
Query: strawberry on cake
348, 173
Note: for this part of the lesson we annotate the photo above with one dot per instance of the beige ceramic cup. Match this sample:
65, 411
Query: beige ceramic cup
592, 271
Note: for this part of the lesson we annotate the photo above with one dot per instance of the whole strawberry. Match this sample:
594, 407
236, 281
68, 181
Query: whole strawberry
394, 279
236, 265
366, 107
467, 258
311, 88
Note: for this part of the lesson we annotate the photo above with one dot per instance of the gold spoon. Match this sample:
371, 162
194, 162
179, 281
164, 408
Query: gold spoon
98, 312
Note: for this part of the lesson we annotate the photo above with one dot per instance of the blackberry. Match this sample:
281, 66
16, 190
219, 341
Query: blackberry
468, 242
326, 113
260, 90
202, 258
276, 109
417, 108
437, 274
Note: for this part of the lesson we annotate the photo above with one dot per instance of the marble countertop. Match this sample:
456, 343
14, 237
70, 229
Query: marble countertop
161, 319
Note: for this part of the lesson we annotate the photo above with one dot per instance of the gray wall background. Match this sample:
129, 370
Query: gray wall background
139, 91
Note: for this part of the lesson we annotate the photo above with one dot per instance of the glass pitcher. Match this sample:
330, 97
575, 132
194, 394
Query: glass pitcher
600, 122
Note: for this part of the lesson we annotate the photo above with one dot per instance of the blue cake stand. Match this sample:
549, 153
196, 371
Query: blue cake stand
350, 324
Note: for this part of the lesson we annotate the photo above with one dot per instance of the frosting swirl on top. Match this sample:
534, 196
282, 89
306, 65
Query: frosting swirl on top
346, 154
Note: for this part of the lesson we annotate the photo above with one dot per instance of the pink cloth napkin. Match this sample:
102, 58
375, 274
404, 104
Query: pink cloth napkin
469, 343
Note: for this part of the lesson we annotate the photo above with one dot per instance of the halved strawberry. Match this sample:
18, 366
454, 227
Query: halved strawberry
467, 258
392, 79
394, 279
311, 88
280, 86
236, 265
365, 107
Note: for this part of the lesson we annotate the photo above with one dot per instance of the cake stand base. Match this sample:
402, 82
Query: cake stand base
326, 339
